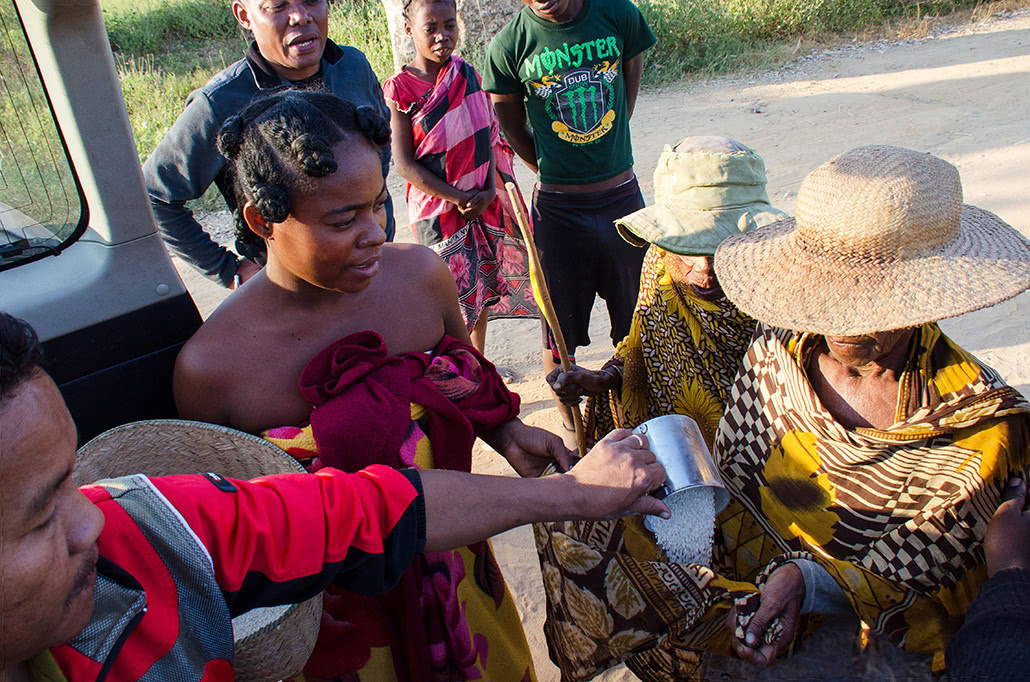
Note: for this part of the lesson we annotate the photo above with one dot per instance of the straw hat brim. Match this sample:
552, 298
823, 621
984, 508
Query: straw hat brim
272, 643
768, 276
692, 232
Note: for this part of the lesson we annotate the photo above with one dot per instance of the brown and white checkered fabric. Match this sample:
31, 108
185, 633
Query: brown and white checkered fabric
912, 504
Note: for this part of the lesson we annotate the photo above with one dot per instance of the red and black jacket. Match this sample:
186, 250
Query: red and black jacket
180, 556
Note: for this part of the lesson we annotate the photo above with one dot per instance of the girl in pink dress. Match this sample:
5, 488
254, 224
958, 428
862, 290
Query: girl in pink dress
447, 145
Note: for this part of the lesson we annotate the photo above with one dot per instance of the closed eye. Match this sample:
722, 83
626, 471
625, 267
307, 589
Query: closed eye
49, 520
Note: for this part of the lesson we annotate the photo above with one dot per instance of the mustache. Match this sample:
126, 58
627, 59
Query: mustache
83, 577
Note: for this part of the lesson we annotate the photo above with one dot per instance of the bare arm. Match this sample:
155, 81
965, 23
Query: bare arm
610, 481
441, 288
632, 71
403, 146
198, 386
511, 114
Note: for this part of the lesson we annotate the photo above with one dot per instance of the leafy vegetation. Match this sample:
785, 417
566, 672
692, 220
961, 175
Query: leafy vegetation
166, 48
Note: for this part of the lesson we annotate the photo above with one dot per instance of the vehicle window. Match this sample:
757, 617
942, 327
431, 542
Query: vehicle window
41, 209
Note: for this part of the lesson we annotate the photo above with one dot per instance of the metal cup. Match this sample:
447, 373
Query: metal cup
676, 441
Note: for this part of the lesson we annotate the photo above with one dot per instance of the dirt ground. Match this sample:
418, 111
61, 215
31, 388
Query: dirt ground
963, 95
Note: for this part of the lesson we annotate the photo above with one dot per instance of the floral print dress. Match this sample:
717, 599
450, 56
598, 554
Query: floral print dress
456, 134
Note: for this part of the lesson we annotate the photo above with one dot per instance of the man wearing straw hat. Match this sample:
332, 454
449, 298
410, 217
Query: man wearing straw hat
864, 451
136, 578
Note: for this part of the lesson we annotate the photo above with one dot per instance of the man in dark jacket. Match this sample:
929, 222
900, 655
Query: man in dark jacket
290, 47
137, 578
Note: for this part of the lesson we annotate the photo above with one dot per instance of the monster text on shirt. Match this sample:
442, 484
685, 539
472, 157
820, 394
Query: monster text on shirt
549, 60
579, 99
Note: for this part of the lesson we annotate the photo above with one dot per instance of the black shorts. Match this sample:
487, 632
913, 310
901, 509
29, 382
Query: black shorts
582, 255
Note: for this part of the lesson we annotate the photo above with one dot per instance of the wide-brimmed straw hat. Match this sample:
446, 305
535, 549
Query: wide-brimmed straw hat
271, 643
881, 241
703, 195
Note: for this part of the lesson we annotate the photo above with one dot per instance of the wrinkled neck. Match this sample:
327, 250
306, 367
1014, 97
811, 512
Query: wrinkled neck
887, 367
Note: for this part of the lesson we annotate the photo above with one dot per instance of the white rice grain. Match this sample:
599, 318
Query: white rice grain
686, 537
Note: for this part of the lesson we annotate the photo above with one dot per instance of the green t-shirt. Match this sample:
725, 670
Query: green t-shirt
571, 77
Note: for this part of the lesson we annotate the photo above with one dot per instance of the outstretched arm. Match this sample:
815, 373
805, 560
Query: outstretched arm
282, 539
570, 386
611, 480
511, 114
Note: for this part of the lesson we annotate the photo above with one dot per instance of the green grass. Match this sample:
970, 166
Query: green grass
146, 26
362, 23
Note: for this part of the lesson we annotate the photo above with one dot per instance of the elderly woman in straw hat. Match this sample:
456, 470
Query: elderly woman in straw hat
864, 451
685, 344
859, 440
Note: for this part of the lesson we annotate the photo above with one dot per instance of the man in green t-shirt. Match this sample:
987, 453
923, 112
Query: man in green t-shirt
574, 66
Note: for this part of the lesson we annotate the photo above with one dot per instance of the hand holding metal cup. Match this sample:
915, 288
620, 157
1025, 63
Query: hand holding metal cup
676, 441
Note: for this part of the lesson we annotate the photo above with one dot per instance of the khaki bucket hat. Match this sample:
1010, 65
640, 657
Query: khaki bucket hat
881, 241
271, 643
701, 198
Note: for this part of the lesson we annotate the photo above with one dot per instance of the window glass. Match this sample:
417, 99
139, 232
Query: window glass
40, 206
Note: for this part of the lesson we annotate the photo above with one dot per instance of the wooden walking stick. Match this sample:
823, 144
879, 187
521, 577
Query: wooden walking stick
543, 299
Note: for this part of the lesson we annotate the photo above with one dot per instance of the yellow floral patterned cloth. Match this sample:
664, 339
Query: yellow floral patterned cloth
679, 357
897, 516
612, 595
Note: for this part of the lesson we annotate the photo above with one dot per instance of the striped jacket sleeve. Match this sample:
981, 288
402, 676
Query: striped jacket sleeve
282, 539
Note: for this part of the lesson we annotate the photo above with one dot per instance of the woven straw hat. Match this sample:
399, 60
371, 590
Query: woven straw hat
881, 241
706, 189
272, 643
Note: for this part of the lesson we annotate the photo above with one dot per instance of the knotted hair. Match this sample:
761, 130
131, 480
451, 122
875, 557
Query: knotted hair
408, 7
280, 141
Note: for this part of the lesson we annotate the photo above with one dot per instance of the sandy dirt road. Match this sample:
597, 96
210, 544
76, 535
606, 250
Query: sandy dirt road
964, 96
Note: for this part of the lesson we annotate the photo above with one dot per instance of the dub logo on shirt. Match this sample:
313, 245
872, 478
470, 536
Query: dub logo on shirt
580, 102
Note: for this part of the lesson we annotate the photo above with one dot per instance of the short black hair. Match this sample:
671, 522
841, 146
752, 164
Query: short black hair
282, 139
20, 354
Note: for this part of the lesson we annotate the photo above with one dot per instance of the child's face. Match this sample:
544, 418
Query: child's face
433, 26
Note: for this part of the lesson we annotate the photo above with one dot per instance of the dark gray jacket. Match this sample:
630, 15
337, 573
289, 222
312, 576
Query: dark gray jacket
186, 161
993, 645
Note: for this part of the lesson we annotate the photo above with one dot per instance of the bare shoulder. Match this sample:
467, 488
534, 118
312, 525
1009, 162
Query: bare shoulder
419, 264
410, 253
206, 365
435, 284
